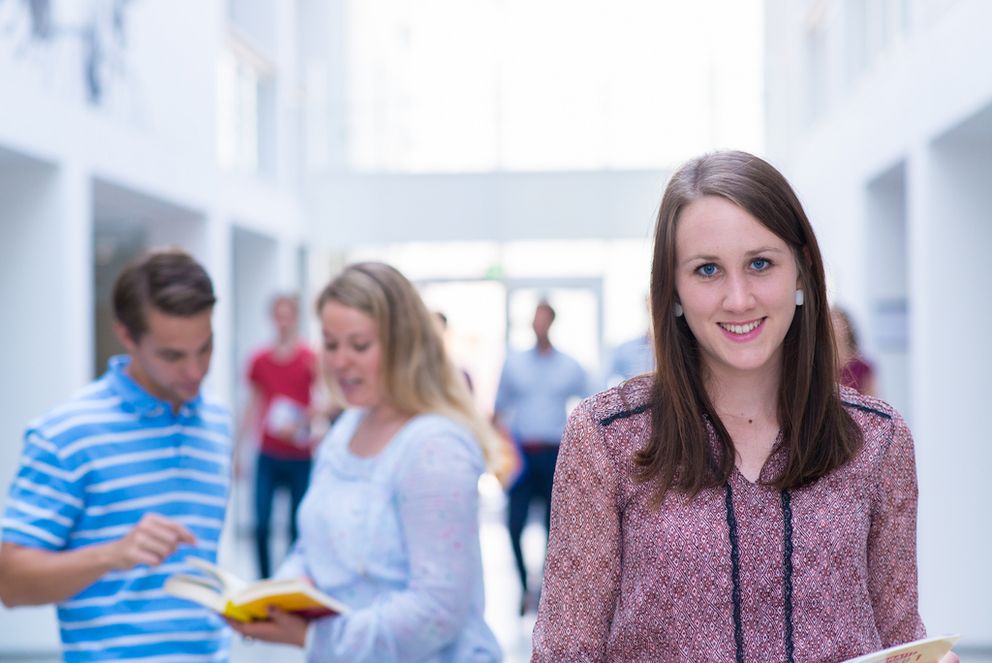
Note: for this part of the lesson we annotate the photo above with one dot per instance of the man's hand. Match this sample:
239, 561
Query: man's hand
152, 540
32, 576
281, 627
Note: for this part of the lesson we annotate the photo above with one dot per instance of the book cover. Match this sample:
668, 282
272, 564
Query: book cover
244, 601
927, 650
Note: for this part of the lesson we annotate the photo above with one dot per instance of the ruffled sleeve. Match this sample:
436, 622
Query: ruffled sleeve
582, 575
892, 577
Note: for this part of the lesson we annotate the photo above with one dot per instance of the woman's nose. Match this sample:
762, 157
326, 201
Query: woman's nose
738, 296
336, 360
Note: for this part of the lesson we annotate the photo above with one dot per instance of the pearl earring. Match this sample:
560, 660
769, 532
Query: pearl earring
800, 297
678, 310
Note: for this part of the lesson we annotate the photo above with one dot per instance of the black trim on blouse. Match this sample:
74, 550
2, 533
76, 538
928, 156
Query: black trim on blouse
865, 408
624, 414
735, 572
787, 574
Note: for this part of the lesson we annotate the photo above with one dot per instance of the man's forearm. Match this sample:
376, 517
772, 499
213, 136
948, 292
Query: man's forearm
31, 576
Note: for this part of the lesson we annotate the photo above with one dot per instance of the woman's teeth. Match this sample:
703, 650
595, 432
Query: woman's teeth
742, 329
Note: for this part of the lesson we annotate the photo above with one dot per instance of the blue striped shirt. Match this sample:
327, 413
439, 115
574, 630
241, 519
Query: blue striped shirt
90, 470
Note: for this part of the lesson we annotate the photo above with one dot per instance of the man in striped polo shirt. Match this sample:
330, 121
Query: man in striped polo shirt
121, 485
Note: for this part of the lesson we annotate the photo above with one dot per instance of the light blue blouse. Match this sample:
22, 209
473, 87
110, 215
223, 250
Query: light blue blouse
396, 538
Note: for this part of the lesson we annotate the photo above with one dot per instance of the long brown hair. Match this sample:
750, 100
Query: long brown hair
817, 432
418, 375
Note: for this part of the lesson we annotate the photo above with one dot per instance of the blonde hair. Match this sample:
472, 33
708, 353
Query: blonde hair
418, 376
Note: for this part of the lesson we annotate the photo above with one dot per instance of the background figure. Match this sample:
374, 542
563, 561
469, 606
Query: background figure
118, 486
531, 402
442, 327
282, 379
856, 372
631, 358
390, 523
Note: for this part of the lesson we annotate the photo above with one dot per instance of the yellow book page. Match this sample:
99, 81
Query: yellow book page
296, 602
239, 615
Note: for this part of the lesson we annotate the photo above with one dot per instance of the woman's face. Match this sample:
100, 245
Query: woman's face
736, 281
353, 354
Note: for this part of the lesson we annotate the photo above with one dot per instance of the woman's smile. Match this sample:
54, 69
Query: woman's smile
742, 331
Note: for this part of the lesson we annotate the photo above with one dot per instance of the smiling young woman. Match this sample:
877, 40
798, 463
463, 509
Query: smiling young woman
738, 504
737, 207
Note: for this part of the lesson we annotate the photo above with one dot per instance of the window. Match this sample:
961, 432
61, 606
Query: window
245, 99
484, 85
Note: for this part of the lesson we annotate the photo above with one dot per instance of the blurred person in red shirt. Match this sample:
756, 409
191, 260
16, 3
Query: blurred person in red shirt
282, 379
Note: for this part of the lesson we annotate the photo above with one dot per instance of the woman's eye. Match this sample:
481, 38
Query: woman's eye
709, 269
760, 264
361, 348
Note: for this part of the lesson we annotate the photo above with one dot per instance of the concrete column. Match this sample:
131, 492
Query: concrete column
950, 240
255, 272
46, 285
884, 287
217, 258
76, 221
287, 276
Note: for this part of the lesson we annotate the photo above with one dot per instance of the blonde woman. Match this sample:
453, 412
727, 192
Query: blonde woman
389, 525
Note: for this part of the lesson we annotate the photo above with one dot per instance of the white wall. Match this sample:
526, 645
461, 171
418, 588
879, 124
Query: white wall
894, 173
146, 155
323, 39
154, 131
951, 317
45, 288
374, 208
883, 253
255, 266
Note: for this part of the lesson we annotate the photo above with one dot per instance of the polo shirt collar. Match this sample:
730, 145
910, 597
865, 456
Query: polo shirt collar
135, 396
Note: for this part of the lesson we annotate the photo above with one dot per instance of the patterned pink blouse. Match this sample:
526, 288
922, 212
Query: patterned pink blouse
742, 573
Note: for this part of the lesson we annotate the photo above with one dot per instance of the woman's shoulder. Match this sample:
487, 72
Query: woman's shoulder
866, 409
434, 424
606, 431
625, 404
879, 421
620, 416
432, 432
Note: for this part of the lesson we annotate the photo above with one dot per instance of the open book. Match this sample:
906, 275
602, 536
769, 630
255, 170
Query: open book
245, 601
927, 650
